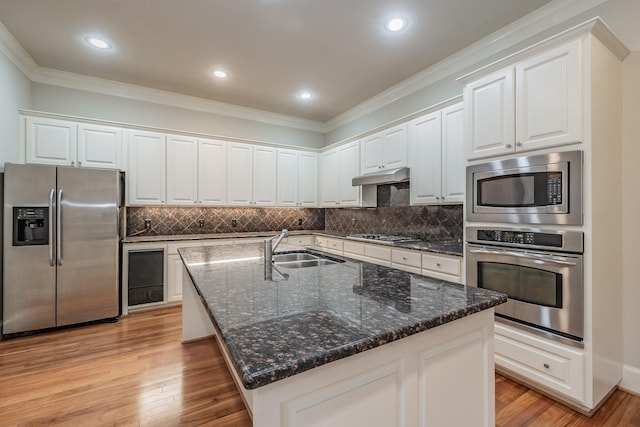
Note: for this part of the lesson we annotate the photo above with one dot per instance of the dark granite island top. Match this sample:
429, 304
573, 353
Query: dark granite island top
292, 320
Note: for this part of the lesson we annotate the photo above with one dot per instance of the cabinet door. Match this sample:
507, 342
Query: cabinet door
264, 176
99, 146
239, 174
287, 178
174, 280
425, 145
370, 147
393, 147
453, 171
51, 141
212, 172
182, 170
329, 178
489, 115
348, 168
147, 168
308, 179
548, 99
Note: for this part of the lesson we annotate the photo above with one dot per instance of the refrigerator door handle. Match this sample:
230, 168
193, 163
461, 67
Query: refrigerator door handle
59, 228
51, 215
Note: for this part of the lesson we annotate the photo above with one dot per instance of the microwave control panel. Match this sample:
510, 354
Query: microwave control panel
520, 237
554, 188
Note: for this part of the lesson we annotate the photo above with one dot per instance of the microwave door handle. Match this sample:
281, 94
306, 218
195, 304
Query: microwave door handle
541, 258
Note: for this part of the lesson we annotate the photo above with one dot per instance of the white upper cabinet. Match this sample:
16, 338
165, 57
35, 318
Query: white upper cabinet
453, 165
425, 166
384, 150
549, 98
329, 178
212, 172
251, 175
100, 146
264, 176
147, 167
436, 157
182, 170
239, 174
51, 141
348, 168
65, 143
297, 178
338, 167
533, 104
308, 179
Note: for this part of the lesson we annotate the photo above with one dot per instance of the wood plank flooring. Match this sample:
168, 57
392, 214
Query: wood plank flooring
137, 373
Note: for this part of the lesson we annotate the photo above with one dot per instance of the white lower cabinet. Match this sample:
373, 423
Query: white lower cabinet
407, 260
555, 366
440, 266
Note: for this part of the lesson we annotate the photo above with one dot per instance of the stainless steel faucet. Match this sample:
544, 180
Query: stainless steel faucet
270, 247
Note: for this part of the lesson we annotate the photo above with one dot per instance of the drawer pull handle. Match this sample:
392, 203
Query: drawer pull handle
546, 366
404, 258
438, 264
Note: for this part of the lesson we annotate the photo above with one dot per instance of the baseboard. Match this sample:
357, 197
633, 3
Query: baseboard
630, 379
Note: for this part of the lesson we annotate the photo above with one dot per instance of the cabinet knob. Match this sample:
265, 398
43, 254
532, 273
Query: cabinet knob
404, 258
508, 145
79, 163
438, 264
546, 366
72, 163
518, 144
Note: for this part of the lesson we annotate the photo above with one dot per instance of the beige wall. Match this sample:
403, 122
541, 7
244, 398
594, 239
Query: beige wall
631, 208
74, 102
15, 93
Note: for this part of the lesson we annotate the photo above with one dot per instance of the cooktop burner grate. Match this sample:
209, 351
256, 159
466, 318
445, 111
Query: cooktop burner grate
383, 238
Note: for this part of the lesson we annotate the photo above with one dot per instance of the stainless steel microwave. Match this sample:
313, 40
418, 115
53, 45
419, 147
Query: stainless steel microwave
540, 189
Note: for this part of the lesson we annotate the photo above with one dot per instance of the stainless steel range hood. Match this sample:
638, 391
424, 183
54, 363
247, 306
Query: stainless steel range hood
387, 176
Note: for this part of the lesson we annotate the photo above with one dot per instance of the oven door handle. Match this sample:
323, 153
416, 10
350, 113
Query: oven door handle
541, 258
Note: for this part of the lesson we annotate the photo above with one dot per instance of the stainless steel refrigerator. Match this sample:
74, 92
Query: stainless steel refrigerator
61, 246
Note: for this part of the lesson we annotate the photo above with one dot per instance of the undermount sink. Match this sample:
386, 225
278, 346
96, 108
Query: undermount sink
302, 260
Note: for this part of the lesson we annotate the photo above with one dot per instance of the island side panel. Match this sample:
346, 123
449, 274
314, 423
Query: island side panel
443, 376
196, 323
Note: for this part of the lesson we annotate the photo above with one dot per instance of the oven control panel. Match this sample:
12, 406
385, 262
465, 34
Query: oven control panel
520, 237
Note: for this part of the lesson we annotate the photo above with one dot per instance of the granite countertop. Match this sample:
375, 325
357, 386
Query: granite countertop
447, 248
306, 317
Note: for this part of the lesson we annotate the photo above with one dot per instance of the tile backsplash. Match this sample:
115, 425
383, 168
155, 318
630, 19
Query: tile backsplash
188, 220
392, 216
432, 223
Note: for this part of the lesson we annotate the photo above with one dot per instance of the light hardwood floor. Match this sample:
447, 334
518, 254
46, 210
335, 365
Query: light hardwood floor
137, 373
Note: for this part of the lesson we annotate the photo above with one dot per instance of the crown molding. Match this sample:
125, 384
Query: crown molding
16, 53
545, 18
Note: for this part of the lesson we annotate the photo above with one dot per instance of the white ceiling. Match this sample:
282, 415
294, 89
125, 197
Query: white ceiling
338, 49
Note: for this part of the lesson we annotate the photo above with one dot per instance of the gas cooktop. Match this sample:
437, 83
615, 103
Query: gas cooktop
382, 238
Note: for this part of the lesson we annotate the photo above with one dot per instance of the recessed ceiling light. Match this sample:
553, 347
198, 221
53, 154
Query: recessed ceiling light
220, 74
98, 43
396, 24
305, 95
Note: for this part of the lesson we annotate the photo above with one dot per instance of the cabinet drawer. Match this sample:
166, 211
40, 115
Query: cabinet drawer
321, 242
441, 264
301, 240
406, 257
378, 251
353, 248
172, 248
334, 245
555, 366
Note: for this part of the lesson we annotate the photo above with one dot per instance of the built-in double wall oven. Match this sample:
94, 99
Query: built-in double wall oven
540, 269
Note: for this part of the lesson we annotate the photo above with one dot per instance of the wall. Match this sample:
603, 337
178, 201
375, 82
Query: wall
15, 93
74, 102
631, 208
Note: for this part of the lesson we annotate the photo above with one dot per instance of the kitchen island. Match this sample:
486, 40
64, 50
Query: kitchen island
350, 343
